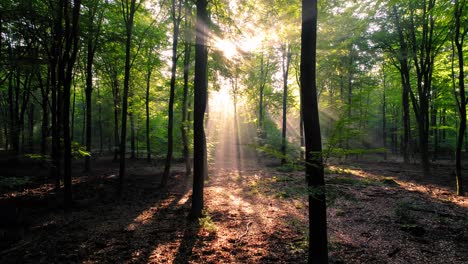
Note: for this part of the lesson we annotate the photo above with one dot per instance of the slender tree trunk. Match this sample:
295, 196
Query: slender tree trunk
132, 135
318, 248
148, 141
384, 115
406, 85
55, 65
31, 129
101, 136
45, 110
200, 169
435, 131
286, 61
129, 13
73, 113
461, 99
116, 95
176, 14
89, 91
260, 103
184, 126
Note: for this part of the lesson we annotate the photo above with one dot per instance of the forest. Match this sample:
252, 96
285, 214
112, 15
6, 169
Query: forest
233, 131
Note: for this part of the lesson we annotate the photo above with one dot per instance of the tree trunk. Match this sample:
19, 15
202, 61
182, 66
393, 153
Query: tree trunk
89, 91
286, 61
384, 115
31, 128
184, 127
129, 14
200, 169
170, 126
71, 50
132, 135
461, 99
318, 249
406, 85
260, 103
101, 136
148, 141
116, 95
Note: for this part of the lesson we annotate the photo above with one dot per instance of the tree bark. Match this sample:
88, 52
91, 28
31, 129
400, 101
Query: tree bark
148, 141
461, 99
200, 169
286, 60
128, 10
318, 249
176, 14
184, 126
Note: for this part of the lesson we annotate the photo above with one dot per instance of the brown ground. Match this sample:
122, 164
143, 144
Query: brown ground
378, 213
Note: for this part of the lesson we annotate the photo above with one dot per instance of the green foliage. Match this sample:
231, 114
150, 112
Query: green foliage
39, 157
207, 223
79, 151
13, 182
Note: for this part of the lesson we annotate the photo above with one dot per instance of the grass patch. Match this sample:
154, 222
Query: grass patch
352, 181
207, 223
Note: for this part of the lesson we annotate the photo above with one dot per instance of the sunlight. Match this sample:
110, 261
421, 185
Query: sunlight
227, 47
221, 102
435, 192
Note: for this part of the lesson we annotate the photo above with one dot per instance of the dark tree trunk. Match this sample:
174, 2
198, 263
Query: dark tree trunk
176, 14
406, 85
31, 128
384, 115
71, 50
461, 99
116, 96
286, 61
89, 91
435, 131
423, 56
184, 127
132, 135
45, 110
101, 136
200, 169
55, 63
148, 141
318, 249
128, 11
260, 103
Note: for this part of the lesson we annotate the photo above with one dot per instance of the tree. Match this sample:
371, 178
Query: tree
176, 18
286, 61
129, 8
94, 19
184, 125
200, 169
318, 251
462, 101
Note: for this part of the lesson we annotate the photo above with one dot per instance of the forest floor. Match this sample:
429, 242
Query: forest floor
378, 212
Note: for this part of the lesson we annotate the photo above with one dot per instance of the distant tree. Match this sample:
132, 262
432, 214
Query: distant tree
318, 248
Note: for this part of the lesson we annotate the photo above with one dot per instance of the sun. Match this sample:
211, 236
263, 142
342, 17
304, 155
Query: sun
221, 102
227, 47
